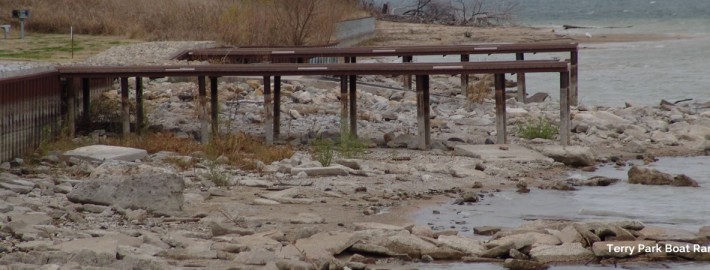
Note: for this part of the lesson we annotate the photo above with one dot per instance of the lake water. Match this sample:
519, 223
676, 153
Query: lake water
672, 207
641, 73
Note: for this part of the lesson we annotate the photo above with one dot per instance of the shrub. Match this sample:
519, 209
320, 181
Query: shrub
350, 146
323, 150
216, 174
538, 128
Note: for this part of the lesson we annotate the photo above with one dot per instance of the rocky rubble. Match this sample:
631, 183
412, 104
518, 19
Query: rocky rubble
66, 212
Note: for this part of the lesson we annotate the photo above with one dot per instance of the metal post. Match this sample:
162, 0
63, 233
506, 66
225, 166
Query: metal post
22, 28
407, 78
71, 107
140, 113
500, 108
353, 103
423, 113
268, 114
214, 105
86, 101
464, 77
574, 74
564, 108
521, 80
125, 112
202, 100
277, 106
343, 104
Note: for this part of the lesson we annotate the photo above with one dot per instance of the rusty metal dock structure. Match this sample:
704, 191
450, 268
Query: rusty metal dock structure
245, 55
31, 103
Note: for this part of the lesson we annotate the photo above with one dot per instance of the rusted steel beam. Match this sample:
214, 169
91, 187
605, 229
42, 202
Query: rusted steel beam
423, 113
86, 101
268, 113
202, 109
501, 123
125, 111
353, 103
343, 104
214, 105
564, 108
299, 52
277, 106
71, 107
574, 74
464, 76
407, 79
140, 114
531, 66
522, 92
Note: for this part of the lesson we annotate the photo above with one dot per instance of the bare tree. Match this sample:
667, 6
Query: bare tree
419, 8
463, 12
483, 12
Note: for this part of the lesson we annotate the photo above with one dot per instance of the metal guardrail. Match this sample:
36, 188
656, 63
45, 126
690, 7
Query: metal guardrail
349, 54
32, 107
30, 111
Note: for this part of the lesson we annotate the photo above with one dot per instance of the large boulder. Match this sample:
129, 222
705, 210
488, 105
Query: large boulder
649, 176
132, 186
569, 252
576, 156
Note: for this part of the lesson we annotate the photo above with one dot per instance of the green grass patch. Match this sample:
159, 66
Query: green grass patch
538, 128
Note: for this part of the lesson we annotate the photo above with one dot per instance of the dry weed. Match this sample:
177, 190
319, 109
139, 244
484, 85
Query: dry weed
240, 22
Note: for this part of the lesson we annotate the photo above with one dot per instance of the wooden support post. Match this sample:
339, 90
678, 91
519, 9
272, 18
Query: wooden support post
268, 113
202, 109
522, 91
500, 108
353, 102
564, 108
71, 107
86, 101
343, 104
574, 75
464, 77
423, 113
214, 106
125, 110
407, 78
140, 113
277, 106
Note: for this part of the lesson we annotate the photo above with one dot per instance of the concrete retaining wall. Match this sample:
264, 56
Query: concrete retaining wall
354, 31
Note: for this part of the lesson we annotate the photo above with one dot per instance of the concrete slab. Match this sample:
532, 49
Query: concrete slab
104, 152
497, 152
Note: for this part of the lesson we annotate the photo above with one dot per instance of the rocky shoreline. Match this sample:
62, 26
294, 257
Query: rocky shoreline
67, 211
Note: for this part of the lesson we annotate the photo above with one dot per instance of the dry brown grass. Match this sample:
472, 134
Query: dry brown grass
238, 22
480, 89
242, 150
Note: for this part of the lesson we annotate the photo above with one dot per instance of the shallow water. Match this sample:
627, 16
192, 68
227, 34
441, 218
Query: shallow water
641, 73
673, 207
